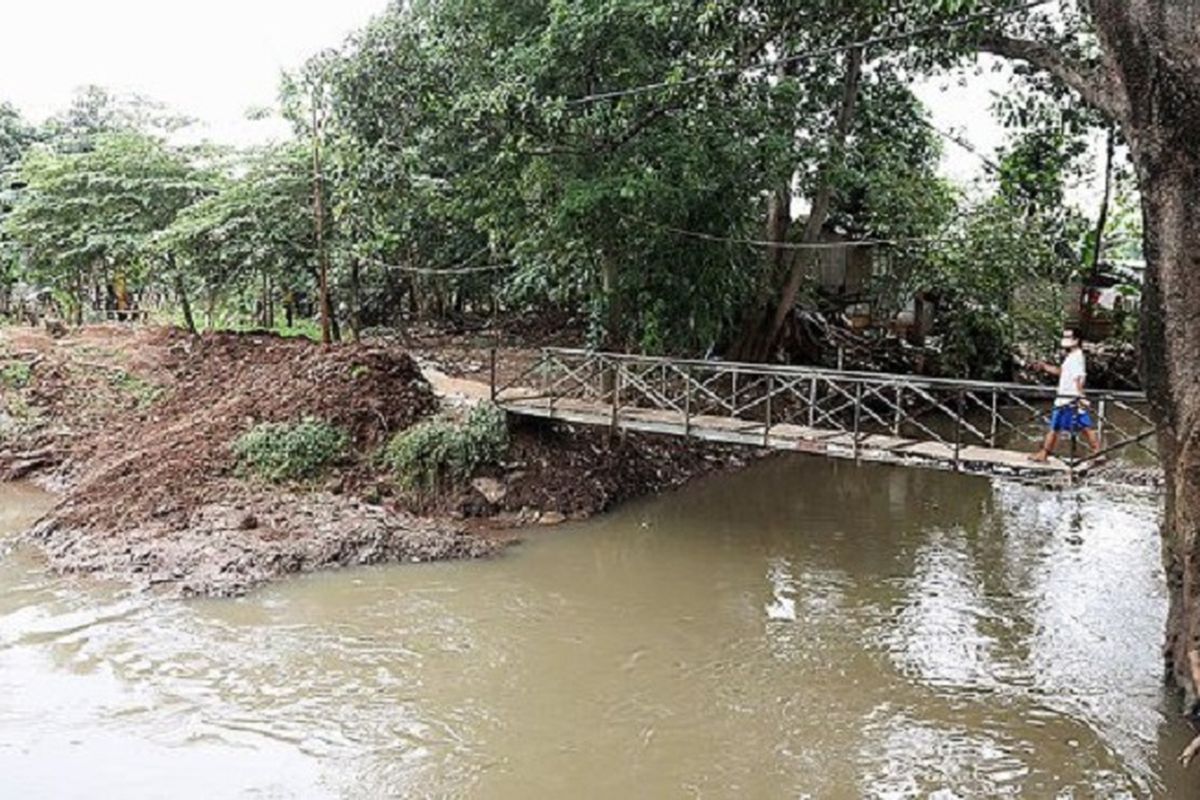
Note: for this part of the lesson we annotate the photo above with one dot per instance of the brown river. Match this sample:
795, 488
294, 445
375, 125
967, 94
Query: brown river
802, 629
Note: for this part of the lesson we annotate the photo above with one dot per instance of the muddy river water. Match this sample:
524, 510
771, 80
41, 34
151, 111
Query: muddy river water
800, 629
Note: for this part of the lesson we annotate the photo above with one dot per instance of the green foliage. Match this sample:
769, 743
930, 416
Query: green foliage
290, 451
467, 133
16, 375
258, 222
91, 214
439, 450
16, 136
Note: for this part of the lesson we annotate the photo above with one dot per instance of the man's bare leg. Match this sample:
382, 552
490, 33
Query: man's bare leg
1047, 447
1093, 439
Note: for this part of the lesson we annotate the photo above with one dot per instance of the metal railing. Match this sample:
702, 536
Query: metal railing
955, 413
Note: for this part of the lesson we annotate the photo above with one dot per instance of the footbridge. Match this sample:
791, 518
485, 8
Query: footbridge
965, 426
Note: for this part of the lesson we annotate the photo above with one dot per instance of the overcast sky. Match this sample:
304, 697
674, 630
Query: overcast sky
213, 60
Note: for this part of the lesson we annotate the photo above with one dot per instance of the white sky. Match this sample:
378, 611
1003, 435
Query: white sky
214, 60
211, 60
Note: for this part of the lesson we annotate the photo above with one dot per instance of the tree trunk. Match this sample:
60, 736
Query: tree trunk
1148, 81
79, 299
181, 293
1171, 371
1152, 60
326, 307
609, 285
355, 301
823, 198
763, 331
210, 311
1085, 300
779, 222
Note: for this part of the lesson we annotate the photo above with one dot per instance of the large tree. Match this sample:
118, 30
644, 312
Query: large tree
1143, 73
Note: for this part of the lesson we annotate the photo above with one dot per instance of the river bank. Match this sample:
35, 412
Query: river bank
134, 430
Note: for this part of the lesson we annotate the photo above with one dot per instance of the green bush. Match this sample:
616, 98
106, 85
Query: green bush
442, 449
16, 375
290, 451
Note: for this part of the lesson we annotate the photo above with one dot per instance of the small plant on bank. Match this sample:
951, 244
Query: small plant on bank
16, 375
290, 451
443, 450
142, 391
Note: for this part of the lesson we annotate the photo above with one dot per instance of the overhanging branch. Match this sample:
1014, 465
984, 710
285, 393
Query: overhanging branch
1092, 84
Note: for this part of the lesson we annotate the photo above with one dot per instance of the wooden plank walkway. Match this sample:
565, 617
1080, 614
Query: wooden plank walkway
871, 447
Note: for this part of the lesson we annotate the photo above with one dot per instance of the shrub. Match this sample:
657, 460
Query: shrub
16, 375
290, 451
442, 449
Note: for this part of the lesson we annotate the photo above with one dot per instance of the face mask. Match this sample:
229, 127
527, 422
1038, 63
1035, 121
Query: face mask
1068, 344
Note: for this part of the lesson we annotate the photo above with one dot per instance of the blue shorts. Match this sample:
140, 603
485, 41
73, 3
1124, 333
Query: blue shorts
1070, 419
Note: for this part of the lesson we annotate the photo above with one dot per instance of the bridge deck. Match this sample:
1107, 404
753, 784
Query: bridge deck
828, 442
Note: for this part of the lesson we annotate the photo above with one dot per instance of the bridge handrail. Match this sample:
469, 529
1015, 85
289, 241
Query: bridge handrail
1044, 391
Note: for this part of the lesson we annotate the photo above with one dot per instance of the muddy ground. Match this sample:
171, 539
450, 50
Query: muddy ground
133, 428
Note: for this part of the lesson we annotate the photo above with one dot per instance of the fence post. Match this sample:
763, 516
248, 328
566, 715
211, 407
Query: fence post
995, 420
733, 405
857, 415
1102, 412
899, 417
687, 402
616, 398
812, 402
770, 392
958, 433
1074, 451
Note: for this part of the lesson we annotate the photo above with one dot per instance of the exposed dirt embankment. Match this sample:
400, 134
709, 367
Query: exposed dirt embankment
136, 430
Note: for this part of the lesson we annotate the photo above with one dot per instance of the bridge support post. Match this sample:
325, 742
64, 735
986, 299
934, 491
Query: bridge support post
1074, 455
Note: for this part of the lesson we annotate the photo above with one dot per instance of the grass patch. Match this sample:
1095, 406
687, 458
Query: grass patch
141, 390
281, 452
441, 450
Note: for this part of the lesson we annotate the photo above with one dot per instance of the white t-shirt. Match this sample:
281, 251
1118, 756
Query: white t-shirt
1073, 368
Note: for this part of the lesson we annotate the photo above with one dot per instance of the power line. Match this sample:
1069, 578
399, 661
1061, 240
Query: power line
817, 246
710, 237
945, 27
963, 143
439, 271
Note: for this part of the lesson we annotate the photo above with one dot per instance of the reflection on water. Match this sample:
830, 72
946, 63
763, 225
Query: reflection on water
802, 629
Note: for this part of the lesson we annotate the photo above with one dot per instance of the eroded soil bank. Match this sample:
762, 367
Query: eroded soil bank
134, 429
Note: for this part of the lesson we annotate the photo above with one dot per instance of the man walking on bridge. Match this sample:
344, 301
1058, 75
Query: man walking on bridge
1071, 415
